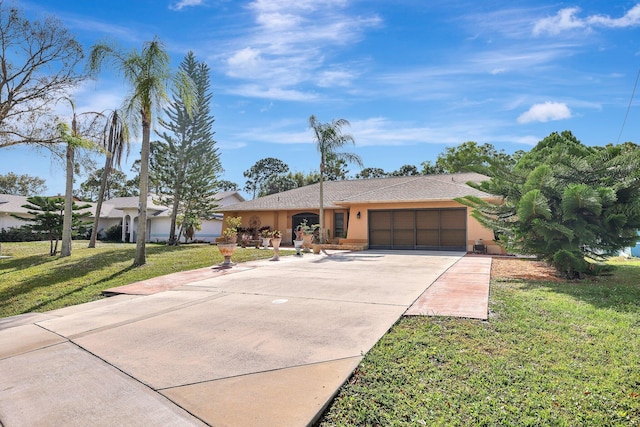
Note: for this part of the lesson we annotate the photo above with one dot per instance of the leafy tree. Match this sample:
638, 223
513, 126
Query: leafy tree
116, 186
115, 140
225, 185
37, 61
406, 170
368, 173
329, 138
278, 184
302, 179
263, 170
335, 169
147, 73
564, 201
469, 157
48, 213
21, 185
185, 162
430, 169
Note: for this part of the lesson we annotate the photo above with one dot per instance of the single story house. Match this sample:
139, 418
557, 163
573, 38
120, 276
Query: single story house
124, 211
410, 212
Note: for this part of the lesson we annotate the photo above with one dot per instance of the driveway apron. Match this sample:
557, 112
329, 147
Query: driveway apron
267, 344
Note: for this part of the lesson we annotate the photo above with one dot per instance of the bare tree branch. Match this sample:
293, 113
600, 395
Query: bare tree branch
37, 62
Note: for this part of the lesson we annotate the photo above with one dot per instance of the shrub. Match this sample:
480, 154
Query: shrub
113, 234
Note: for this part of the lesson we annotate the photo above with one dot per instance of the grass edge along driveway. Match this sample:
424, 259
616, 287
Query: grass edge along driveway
31, 280
561, 354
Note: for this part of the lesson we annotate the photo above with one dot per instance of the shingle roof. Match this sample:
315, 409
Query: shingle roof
13, 204
111, 208
378, 190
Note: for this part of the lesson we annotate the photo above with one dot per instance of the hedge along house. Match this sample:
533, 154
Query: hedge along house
411, 212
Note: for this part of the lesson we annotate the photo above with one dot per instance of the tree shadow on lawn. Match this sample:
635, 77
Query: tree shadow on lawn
620, 291
9, 265
74, 270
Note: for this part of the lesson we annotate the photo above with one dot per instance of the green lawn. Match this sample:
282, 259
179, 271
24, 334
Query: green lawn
31, 280
561, 354
557, 354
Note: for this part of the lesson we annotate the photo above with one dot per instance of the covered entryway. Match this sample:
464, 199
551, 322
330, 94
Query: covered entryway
429, 229
297, 219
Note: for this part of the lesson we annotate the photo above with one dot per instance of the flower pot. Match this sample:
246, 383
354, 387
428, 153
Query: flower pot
275, 242
265, 242
316, 248
227, 250
306, 239
298, 245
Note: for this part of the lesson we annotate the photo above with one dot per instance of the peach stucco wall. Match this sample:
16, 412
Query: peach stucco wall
358, 228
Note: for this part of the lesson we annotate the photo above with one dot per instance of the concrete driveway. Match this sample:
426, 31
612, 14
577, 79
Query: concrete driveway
263, 344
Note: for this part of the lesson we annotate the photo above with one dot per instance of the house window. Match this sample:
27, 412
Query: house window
338, 223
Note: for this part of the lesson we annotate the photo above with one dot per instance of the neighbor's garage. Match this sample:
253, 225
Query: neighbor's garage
430, 229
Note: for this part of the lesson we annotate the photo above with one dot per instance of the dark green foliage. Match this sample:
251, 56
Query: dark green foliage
278, 184
261, 173
368, 173
225, 185
20, 234
467, 157
406, 170
185, 164
48, 214
564, 202
117, 185
113, 233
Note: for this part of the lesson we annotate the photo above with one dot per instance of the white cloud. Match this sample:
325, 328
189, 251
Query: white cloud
565, 19
630, 19
275, 93
185, 3
568, 19
546, 112
293, 44
332, 78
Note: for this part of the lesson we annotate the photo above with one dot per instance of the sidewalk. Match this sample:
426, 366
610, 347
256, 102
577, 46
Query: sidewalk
266, 344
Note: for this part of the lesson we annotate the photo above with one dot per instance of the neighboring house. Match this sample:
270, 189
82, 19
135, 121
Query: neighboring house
411, 212
124, 211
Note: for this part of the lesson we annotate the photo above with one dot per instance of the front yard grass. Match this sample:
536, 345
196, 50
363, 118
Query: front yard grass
31, 280
558, 354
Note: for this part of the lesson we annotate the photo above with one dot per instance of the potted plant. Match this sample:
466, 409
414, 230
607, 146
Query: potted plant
298, 241
307, 234
265, 235
276, 238
227, 243
315, 241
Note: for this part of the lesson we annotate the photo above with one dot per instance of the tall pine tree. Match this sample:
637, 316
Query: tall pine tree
185, 163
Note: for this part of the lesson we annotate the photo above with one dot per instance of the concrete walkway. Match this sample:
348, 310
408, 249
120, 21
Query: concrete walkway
263, 344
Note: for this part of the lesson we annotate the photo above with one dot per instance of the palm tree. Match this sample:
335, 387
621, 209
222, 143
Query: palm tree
328, 138
147, 72
73, 140
115, 140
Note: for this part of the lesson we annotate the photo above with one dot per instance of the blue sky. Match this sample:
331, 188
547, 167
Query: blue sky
412, 76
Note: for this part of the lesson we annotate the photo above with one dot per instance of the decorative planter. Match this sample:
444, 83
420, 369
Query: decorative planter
227, 250
265, 242
316, 248
275, 242
306, 239
298, 245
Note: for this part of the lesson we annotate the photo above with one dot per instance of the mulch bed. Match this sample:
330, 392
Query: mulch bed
525, 269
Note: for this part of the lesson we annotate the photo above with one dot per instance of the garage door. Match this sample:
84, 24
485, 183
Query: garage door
431, 229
